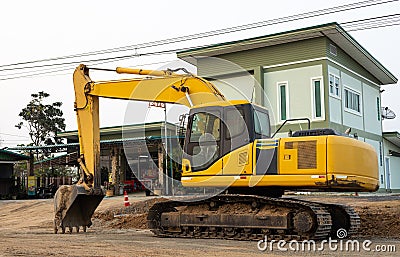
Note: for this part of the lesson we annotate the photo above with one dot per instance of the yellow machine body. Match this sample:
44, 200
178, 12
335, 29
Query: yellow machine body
315, 163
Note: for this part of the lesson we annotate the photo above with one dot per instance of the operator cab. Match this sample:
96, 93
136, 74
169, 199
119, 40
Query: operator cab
214, 131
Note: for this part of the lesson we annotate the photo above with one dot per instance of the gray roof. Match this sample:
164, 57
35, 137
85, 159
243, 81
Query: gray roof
8, 156
125, 129
392, 137
102, 142
333, 31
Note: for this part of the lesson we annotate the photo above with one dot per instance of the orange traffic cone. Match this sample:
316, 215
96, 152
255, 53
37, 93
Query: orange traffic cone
126, 200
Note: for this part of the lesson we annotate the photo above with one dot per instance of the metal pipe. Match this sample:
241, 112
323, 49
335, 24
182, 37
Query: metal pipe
188, 98
166, 151
290, 120
158, 73
122, 70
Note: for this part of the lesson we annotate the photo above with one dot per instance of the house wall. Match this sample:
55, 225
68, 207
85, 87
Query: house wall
6, 171
351, 118
367, 123
300, 94
265, 56
343, 58
372, 106
299, 91
296, 64
236, 86
378, 149
368, 120
393, 163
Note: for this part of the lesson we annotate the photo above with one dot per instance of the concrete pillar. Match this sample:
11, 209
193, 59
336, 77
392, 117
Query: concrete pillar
259, 93
115, 169
160, 166
30, 165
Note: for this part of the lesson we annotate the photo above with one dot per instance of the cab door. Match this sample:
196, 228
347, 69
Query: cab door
203, 147
237, 150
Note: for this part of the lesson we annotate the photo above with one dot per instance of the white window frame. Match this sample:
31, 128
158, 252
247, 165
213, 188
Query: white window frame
353, 91
278, 87
322, 92
339, 92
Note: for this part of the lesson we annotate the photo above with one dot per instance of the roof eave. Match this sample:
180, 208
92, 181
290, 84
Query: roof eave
347, 43
331, 30
393, 137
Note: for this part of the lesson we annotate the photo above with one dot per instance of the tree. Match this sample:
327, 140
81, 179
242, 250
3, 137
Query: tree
43, 121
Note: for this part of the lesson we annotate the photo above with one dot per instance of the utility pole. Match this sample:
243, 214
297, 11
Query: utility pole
166, 151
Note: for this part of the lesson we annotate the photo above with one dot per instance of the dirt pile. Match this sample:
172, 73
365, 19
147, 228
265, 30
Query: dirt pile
380, 217
133, 216
379, 221
379, 214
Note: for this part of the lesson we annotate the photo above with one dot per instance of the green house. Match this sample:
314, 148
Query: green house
7, 161
321, 73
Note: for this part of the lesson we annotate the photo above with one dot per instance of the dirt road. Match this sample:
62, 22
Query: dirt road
26, 230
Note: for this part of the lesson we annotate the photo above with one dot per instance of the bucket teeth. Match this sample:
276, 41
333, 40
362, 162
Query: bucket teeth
74, 207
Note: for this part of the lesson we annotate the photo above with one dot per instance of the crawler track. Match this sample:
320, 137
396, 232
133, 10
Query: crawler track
243, 217
343, 217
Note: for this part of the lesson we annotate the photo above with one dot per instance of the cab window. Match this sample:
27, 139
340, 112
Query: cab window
235, 123
205, 126
261, 124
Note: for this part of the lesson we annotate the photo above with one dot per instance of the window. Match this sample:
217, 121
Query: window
204, 140
283, 101
317, 97
261, 124
378, 108
235, 123
205, 127
352, 100
337, 86
334, 85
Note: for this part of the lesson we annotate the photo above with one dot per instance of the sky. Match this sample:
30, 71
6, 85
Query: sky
41, 29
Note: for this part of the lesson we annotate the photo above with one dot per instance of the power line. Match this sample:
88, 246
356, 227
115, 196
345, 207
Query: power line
13, 135
108, 60
369, 23
374, 27
14, 140
386, 17
52, 70
285, 19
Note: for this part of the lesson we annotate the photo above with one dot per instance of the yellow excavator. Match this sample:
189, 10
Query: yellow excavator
228, 145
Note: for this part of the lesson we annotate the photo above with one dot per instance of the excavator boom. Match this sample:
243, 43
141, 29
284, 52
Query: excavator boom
74, 205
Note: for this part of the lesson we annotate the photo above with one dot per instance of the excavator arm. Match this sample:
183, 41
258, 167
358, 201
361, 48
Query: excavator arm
159, 86
74, 205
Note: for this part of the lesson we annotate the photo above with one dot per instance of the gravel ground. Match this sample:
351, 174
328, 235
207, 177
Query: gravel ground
26, 230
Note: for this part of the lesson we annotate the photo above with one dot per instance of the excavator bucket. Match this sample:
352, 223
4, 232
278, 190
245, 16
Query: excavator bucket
74, 207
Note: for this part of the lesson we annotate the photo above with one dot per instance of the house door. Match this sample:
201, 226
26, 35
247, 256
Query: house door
387, 173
